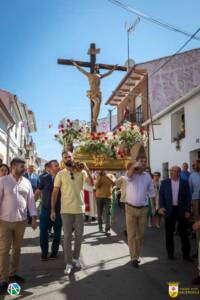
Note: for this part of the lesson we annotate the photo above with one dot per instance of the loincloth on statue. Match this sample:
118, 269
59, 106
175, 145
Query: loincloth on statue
94, 96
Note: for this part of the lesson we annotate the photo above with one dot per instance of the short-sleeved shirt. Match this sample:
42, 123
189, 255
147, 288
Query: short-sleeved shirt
72, 200
46, 186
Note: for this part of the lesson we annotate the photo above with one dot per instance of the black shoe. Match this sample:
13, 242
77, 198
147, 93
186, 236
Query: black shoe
51, 235
108, 233
125, 233
195, 255
135, 263
196, 280
171, 257
16, 278
86, 218
44, 257
188, 259
93, 219
3, 287
52, 256
100, 229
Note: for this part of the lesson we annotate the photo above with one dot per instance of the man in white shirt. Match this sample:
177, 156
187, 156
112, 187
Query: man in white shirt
139, 188
16, 197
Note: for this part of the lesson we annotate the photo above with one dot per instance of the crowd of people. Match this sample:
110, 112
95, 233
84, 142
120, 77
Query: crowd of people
69, 195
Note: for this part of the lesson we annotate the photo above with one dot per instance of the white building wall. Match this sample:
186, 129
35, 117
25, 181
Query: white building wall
164, 150
3, 138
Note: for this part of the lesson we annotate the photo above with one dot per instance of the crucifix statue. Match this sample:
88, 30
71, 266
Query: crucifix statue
94, 77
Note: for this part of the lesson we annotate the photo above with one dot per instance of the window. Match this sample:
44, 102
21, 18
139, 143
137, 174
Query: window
178, 125
165, 170
16, 127
138, 114
138, 109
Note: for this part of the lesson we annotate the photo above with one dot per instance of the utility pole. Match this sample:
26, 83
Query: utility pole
110, 119
130, 28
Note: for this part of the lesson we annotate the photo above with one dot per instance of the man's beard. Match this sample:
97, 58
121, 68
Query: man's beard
69, 164
19, 173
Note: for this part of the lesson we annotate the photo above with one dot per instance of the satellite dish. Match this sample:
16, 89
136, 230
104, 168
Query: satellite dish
130, 63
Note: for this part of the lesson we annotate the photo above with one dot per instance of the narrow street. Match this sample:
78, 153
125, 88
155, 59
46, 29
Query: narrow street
106, 272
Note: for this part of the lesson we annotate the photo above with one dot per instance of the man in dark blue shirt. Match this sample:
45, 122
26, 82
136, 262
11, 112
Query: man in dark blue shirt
45, 190
185, 174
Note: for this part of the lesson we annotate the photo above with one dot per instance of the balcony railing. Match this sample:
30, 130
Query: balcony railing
135, 117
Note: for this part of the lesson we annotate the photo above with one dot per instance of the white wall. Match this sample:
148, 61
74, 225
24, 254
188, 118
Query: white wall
164, 150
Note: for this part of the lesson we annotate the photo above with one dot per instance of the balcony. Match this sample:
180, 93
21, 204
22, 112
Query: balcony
135, 117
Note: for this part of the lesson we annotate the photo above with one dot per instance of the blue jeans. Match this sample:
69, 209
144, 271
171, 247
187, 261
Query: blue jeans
45, 223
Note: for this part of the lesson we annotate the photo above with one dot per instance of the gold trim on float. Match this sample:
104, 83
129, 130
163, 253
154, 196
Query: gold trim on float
101, 162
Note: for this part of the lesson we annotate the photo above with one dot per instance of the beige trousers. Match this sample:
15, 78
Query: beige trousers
11, 233
136, 222
71, 221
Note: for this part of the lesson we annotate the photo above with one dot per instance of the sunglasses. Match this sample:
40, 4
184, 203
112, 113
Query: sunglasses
72, 176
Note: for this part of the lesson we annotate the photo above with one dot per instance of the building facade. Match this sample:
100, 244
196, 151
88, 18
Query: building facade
176, 137
150, 88
17, 123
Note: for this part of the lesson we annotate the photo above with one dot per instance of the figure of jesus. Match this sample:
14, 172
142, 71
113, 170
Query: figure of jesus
94, 94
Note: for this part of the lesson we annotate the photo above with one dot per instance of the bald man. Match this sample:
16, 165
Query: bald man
175, 205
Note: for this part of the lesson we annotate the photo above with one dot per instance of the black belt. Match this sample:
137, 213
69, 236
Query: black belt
139, 207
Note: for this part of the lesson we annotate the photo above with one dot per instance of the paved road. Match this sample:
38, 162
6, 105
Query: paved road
106, 273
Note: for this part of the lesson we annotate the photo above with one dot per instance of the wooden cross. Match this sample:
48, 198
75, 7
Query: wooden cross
92, 64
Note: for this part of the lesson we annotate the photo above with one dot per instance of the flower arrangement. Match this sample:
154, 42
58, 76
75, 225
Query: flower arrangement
115, 145
70, 131
99, 143
129, 134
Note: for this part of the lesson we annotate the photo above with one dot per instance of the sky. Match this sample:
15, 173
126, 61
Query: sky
35, 33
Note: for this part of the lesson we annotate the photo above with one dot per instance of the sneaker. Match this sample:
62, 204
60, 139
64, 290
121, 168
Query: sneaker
196, 280
68, 269
44, 257
52, 256
77, 263
16, 278
3, 287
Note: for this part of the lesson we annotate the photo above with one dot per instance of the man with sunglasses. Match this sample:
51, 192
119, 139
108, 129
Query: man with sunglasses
70, 182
